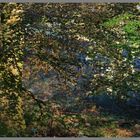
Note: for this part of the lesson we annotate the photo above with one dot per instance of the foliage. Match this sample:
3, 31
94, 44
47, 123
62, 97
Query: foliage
90, 48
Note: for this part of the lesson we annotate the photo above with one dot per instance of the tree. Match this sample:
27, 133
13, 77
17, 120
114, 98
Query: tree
92, 48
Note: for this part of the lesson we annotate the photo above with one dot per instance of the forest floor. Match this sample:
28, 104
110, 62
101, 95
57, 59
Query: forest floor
81, 120
94, 122
103, 124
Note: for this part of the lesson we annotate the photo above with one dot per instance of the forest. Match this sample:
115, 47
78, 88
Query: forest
70, 69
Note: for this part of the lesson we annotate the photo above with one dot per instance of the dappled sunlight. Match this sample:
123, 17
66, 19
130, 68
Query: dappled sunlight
70, 70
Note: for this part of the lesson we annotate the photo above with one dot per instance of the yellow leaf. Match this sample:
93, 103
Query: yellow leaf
14, 71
